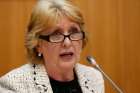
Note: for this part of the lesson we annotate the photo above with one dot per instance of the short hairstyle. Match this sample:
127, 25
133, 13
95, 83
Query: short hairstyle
45, 14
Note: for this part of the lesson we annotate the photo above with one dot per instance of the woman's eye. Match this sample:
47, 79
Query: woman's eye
56, 32
73, 30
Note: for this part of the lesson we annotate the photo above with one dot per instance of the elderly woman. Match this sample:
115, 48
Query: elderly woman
54, 41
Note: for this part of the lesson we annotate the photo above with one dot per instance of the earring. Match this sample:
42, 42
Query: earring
39, 54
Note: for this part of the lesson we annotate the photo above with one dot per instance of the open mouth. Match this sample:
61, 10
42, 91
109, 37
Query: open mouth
66, 55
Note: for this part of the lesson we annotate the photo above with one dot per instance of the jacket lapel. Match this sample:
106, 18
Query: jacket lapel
42, 82
84, 82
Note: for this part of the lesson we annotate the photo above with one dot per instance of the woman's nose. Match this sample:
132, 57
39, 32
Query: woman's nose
67, 42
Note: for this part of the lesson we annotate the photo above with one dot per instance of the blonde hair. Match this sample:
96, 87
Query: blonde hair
46, 14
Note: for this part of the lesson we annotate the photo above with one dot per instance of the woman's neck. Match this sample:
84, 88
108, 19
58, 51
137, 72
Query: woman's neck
60, 74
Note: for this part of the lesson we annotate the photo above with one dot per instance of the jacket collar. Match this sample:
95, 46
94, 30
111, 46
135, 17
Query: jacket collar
43, 85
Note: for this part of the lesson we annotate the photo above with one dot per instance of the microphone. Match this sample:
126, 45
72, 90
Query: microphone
93, 62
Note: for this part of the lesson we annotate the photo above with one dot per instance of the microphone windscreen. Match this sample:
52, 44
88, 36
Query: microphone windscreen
91, 60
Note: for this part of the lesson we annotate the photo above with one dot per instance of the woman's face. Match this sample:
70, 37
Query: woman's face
65, 54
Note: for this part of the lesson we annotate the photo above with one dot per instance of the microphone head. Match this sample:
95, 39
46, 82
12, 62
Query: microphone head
91, 60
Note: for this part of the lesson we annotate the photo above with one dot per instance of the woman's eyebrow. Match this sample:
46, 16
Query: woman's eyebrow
57, 30
51, 31
71, 29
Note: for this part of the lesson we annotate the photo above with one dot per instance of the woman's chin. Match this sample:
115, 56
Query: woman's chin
67, 63
67, 66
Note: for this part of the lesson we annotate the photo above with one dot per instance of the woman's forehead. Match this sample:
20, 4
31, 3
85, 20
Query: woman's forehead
62, 25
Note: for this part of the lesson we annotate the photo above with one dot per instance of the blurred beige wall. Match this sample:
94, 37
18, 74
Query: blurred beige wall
113, 28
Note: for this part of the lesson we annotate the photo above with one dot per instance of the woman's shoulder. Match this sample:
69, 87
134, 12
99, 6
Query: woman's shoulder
17, 75
17, 72
91, 78
86, 68
16, 79
89, 72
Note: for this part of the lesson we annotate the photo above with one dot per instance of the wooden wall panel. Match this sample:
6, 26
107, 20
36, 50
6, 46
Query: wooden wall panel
113, 30
14, 15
